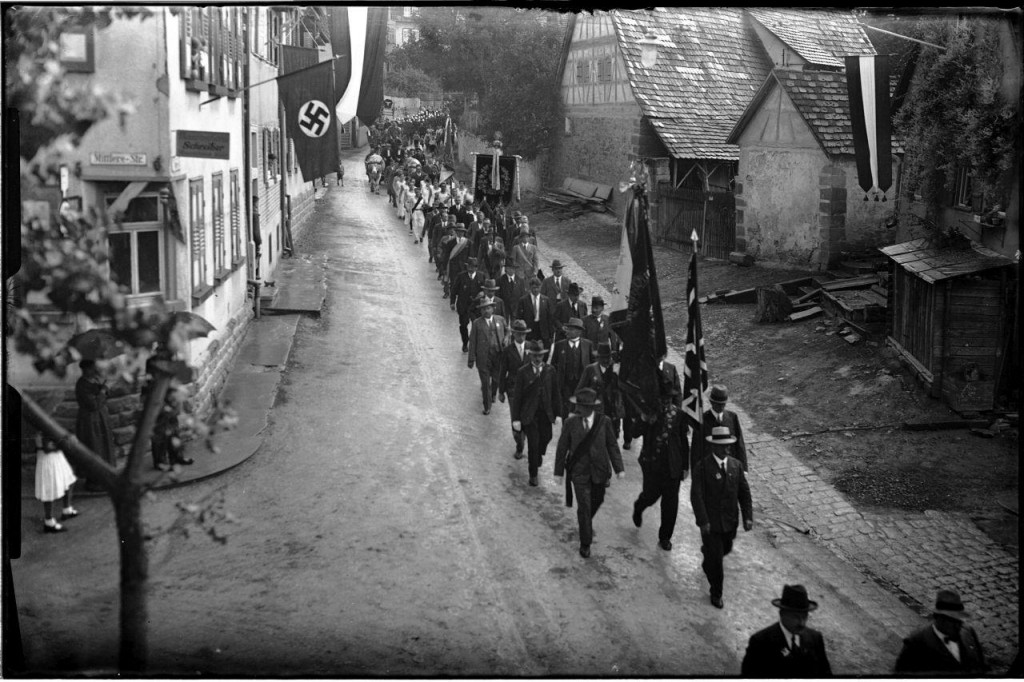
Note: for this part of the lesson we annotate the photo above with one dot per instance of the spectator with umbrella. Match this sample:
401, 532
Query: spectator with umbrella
92, 425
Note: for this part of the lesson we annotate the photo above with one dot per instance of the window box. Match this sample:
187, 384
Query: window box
219, 90
195, 85
201, 294
222, 275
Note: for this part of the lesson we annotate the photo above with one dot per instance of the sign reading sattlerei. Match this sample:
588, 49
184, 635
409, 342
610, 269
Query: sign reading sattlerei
204, 144
117, 159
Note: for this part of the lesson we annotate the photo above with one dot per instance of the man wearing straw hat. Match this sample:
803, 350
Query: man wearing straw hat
488, 291
587, 451
788, 648
487, 337
513, 358
534, 406
946, 647
717, 415
718, 488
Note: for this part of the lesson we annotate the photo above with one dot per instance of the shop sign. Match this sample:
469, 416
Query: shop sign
118, 159
204, 144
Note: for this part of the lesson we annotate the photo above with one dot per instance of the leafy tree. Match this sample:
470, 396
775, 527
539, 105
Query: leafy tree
410, 82
508, 57
64, 259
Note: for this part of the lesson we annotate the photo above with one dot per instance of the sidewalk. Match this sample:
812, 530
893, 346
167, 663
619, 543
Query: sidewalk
251, 386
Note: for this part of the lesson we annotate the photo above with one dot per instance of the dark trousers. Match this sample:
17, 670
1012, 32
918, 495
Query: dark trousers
165, 452
538, 435
464, 322
715, 546
520, 438
489, 381
589, 496
660, 484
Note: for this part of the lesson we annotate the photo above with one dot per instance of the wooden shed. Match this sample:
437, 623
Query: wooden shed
951, 318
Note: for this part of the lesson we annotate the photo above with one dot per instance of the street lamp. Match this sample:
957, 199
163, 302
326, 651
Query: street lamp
649, 45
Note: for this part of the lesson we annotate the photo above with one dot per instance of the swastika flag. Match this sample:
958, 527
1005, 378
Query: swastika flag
308, 98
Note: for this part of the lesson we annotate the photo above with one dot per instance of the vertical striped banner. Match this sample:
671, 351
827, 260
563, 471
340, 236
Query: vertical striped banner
695, 367
867, 85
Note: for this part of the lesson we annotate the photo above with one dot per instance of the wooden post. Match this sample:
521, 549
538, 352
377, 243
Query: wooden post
773, 304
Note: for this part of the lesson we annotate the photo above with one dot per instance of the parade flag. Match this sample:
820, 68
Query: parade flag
359, 37
640, 325
307, 95
867, 86
695, 367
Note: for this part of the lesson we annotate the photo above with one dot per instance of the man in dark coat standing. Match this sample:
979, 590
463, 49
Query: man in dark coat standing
569, 358
534, 406
597, 327
538, 312
569, 307
487, 338
513, 358
718, 488
946, 647
601, 377
717, 415
464, 291
665, 461
788, 648
587, 450
556, 285
511, 286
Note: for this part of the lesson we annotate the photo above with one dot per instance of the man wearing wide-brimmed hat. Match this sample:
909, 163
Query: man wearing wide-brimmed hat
788, 648
569, 358
718, 489
569, 307
587, 452
601, 377
487, 338
948, 646
525, 254
465, 288
717, 415
597, 327
538, 312
513, 358
512, 287
556, 285
488, 292
533, 406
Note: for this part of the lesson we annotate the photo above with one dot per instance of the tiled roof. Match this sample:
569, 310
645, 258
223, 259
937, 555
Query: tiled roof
822, 36
710, 67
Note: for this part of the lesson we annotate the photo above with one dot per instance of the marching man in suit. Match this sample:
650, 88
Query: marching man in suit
946, 647
465, 289
587, 451
569, 358
513, 358
525, 254
717, 415
511, 286
788, 648
570, 307
534, 406
556, 286
487, 337
718, 491
538, 312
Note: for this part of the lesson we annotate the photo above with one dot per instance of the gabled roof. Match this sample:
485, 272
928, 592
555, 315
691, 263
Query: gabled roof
822, 36
933, 263
710, 67
821, 99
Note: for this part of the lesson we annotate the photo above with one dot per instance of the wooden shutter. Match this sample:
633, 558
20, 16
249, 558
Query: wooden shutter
185, 53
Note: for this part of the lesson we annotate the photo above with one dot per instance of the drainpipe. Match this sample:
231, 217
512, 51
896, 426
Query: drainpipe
250, 256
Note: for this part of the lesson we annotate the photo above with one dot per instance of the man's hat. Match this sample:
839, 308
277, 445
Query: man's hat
556, 264
484, 302
520, 327
536, 348
516, 214
534, 279
574, 322
718, 394
947, 603
489, 285
604, 349
574, 289
459, 227
472, 262
721, 435
510, 259
586, 397
794, 598
596, 300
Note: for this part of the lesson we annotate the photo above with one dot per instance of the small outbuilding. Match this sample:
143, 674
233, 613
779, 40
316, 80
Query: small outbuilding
952, 320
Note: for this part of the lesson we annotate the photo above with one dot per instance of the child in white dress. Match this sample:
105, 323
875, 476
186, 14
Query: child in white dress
54, 479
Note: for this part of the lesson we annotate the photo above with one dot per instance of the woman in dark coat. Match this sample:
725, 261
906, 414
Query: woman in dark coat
92, 426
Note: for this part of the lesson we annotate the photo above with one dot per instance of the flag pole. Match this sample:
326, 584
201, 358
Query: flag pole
271, 80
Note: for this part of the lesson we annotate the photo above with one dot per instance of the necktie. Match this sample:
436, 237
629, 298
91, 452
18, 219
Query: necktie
536, 309
796, 642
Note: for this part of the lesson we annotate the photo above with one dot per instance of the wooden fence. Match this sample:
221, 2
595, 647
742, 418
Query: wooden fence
712, 214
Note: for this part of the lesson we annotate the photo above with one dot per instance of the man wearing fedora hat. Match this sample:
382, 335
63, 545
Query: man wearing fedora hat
717, 489
596, 326
717, 415
946, 647
487, 337
601, 377
513, 357
587, 451
525, 254
788, 648
445, 247
569, 307
664, 461
556, 286
511, 287
533, 406
569, 357
538, 312
464, 292
488, 289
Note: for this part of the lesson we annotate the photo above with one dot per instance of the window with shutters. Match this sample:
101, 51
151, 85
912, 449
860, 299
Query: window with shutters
135, 246
235, 210
604, 70
583, 71
197, 229
273, 46
276, 141
217, 215
195, 48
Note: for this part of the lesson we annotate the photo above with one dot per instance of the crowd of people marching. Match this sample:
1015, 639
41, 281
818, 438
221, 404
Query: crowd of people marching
539, 346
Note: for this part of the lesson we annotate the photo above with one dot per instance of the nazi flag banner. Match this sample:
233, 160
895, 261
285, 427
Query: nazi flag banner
309, 120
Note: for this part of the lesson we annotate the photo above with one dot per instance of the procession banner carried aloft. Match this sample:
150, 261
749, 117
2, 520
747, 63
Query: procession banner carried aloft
483, 178
307, 96
695, 367
867, 85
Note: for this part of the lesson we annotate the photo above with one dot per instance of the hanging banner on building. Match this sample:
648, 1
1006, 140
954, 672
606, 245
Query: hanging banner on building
508, 175
867, 85
204, 144
359, 37
308, 96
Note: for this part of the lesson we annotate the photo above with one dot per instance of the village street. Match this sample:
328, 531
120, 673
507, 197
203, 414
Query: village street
384, 528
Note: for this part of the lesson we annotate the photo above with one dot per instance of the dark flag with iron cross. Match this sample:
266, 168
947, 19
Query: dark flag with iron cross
867, 86
308, 99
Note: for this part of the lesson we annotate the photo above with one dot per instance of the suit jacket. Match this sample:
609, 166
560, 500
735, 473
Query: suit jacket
511, 292
606, 383
511, 362
492, 256
700, 448
564, 311
568, 369
465, 289
715, 500
768, 655
665, 446
598, 329
556, 292
595, 465
546, 325
482, 342
526, 259
499, 308
924, 652
670, 373
534, 394
457, 258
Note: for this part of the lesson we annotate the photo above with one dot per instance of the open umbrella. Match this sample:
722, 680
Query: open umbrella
97, 344
194, 325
